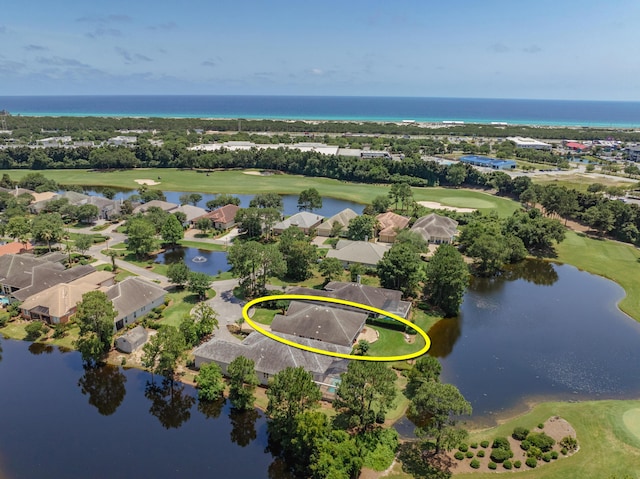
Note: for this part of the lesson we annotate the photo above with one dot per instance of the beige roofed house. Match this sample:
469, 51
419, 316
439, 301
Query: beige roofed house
56, 304
362, 252
133, 298
304, 220
221, 218
436, 229
390, 223
163, 205
343, 218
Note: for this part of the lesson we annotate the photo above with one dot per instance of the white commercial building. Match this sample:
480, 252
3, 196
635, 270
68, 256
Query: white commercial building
529, 143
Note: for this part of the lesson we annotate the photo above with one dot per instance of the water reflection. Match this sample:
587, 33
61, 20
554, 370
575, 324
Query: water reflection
243, 425
168, 403
534, 271
40, 348
215, 262
105, 387
444, 335
211, 409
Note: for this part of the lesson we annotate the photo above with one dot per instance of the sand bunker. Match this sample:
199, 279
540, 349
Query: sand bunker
147, 182
434, 205
258, 173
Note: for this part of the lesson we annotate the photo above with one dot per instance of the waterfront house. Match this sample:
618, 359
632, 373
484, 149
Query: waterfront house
343, 218
362, 252
304, 220
222, 218
163, 205
390, 223
132, 340
436, 229
133, 298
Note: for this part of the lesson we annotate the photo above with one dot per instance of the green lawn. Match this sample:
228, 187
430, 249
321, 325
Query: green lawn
608, 449
202, 245
264, 315
182, 301
238, 182
578, 181
616, 261
392, 343
15, 330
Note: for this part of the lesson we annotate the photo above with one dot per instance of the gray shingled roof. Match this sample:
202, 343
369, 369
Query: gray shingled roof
321, 322
362, 252
16, 270
343, 218
271, 357
133, 293
302, 220
435, 226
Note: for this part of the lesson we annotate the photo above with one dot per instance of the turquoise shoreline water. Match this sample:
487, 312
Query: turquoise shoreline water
378, 109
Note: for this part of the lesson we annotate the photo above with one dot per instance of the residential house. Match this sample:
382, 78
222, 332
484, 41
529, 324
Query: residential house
390, 223
49, 274
221, 218
361, 252
56, 304
163, 205
321, 322
133, 298
271, 357
388, 300
304, 220
191, 212
436, 229
132, 340
106, 207
16, 271
343, 218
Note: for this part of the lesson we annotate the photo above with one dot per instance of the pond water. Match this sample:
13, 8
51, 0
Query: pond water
540, 331
58, 420
202, 261
330, 206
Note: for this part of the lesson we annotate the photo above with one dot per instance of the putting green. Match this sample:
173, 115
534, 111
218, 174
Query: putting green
467, 202
631, 420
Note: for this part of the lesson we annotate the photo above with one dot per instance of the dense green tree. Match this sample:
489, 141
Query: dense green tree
163, 351
355, 270
456, 174
600, 218
447, 279
210, 383
19, 228
331, 269
204, 225
249, 222
336, 457
199, 283
172, 231
366, 391
490, 253
401, 268
141, 234
82, 243
48, 227
95, 317
336, 229
437, 406
222, 200
537, 232
87, 213
267, 200
401, 193
242, 382
253, 263
190, 199
32, 181
427, 368
199, 325
298, 252
381, 204
413, 239
157, 217
34, 330
309, 200
361, 228
178, 273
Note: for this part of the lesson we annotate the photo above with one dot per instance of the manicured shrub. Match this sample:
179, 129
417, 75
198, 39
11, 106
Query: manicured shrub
564, 451
554, 454
4, 319
459, 456
475, 464
517, 464
484, 444
525, 445
507, 465
541, 426
541, 440
531, 462
570, 443
520, 433
59, 331
546, 457
534, 452
500, 455
501, 443
473, 445
34, 330
492, 465
463, 447
108, 268
469, 454
480, 453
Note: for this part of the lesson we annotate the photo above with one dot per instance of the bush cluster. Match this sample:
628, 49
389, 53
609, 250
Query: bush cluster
459, 456
517, 464
507, 465
501, 443
546, 457
541, 440
569, 443
480, 453
501, 455
475, 464
473, 445
531, 462
469, 454
463, 447
520, 433
484, 444
492, 465
554, 454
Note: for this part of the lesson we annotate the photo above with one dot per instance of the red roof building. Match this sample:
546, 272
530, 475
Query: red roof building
15, 248
574, 145
222, 218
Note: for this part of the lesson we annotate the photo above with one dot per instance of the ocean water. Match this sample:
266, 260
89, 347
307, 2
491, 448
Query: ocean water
469, 110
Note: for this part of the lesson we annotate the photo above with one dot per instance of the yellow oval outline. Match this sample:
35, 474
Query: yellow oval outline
404, 357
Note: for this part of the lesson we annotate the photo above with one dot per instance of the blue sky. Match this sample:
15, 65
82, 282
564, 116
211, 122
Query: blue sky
487, 49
